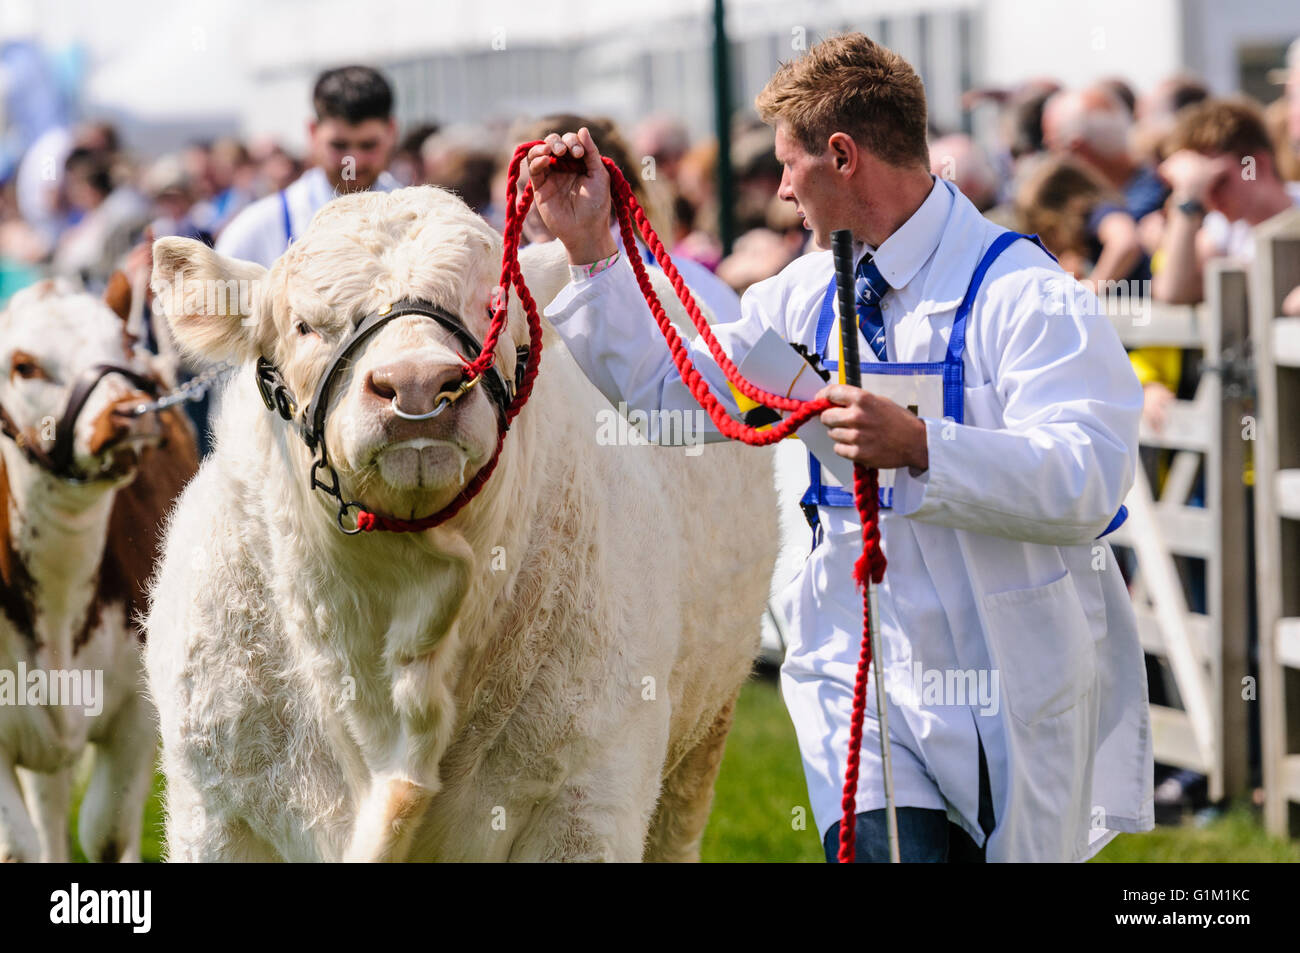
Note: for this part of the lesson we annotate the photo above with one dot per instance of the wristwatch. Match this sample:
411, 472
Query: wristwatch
1192, 206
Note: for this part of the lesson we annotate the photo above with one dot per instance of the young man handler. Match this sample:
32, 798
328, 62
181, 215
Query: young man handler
1017, 695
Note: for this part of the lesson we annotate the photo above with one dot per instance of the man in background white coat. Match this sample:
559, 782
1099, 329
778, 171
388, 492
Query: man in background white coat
351, 143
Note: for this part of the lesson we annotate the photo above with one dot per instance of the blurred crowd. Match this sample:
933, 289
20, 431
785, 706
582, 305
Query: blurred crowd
1121, 184
1133, 189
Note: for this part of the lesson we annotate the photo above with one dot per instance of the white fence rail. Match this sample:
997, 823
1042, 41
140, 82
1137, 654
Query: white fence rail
1277, 511
1205, 650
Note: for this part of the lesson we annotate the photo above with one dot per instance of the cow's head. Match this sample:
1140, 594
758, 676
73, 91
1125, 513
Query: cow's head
50, 334
361, 253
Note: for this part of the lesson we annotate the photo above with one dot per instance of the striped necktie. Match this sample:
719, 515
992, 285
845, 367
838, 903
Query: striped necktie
870, 287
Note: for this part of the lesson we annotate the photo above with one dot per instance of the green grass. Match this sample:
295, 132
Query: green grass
761, 783
760, 804
1234, 837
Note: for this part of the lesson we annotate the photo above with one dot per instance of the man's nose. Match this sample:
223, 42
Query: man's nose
415, 384
786, 190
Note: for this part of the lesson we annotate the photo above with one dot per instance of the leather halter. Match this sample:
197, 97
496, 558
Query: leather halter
311, 427
58, 461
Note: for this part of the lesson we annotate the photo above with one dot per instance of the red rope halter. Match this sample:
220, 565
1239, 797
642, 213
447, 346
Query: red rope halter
870, 566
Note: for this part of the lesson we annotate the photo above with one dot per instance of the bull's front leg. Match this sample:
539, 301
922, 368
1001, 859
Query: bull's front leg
423, 652
403, 785
599, 816
387, 820
602, 811
112, 811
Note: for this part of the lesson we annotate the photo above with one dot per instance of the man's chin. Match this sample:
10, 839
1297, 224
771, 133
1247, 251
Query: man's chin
345, 186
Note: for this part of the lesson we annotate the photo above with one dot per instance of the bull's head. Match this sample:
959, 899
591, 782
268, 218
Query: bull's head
362, 253
53, 337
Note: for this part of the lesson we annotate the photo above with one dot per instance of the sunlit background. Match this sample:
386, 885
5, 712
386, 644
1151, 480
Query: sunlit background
213, 99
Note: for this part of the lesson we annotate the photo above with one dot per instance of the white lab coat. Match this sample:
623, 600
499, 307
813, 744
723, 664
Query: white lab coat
996, 540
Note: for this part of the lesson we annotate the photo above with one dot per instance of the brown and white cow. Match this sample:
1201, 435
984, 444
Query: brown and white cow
80, 519
548, 675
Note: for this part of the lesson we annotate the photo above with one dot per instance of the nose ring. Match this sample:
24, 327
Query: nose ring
441, 405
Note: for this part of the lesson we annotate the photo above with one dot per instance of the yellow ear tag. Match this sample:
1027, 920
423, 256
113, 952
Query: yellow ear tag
745, 405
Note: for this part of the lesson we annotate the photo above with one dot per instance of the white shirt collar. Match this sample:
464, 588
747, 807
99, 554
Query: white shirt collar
903, 253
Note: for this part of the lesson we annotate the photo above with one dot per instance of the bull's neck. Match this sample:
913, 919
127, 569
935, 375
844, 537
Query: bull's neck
57, 530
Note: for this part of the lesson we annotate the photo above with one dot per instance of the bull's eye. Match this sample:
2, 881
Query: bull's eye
302, 327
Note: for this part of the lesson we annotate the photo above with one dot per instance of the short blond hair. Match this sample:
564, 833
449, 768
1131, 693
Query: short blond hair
850, 84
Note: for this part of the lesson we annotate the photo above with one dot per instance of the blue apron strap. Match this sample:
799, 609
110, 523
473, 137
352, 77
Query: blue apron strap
953, 368
811, 499
819, 494
825, 319
1115, 523
812, 495
957, 340
288, 222
1039, 242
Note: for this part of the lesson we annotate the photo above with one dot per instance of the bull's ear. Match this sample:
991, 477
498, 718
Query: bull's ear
210, 301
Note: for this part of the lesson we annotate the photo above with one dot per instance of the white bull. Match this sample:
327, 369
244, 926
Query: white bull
549, 675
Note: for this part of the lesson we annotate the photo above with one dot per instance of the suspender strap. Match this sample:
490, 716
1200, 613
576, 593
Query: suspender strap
1115, 523
825, 319
953, 367
288, 222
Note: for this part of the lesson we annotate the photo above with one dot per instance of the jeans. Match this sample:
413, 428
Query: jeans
925, 836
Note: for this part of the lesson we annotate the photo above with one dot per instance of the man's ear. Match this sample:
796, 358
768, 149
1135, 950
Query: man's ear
844, 152
209, 300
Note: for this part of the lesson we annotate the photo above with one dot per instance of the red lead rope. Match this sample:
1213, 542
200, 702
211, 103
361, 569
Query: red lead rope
870, 566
